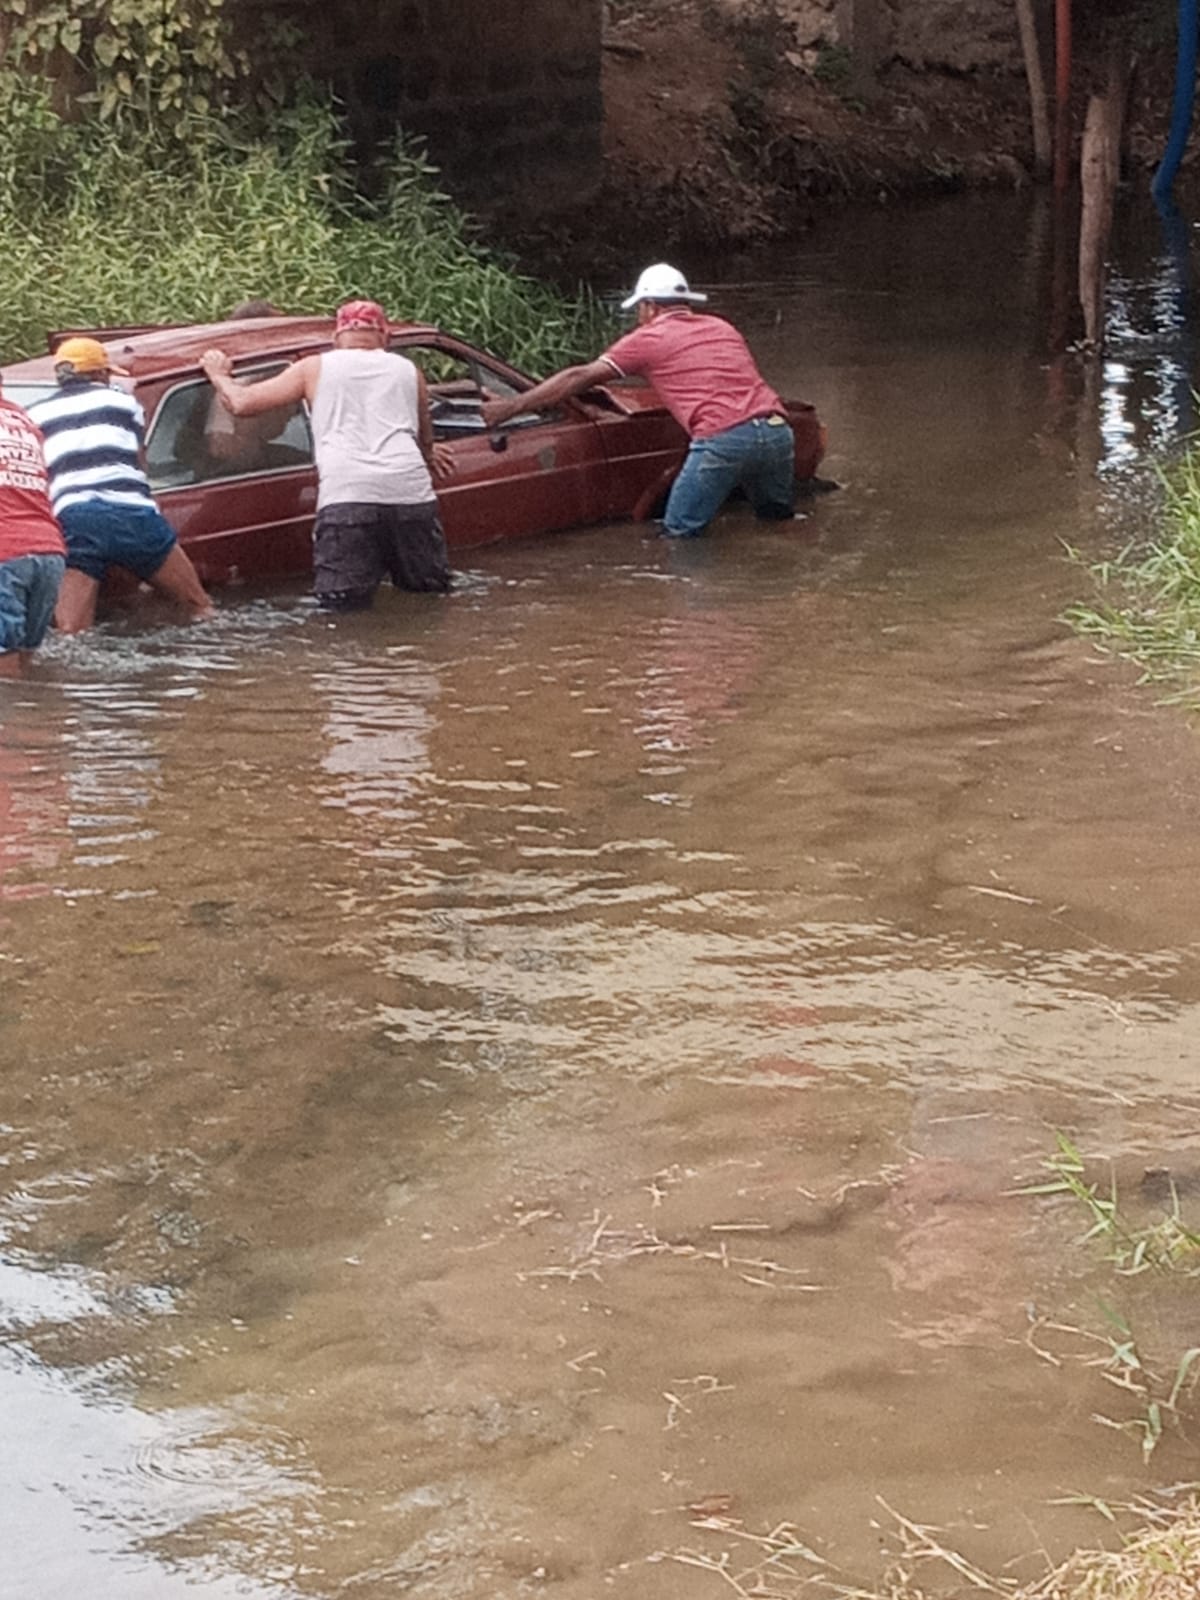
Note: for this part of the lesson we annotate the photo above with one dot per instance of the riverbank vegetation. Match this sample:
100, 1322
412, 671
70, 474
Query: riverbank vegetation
1146, 1302
118, 220
154, 169
1158, 1559
1147, 599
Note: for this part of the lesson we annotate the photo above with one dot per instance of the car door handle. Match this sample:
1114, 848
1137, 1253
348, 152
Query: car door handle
498, 442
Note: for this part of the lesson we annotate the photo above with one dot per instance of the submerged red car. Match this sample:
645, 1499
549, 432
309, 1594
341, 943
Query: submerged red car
241, 493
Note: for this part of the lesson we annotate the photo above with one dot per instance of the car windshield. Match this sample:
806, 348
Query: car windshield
24, 394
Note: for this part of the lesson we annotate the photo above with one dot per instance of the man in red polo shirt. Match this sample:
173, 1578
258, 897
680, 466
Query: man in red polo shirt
703, 370
32, 552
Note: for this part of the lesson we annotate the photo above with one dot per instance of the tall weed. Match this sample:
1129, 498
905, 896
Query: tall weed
1147, 604
105, 224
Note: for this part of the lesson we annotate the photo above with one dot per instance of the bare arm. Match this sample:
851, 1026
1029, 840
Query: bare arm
424, 420
438, 458
571, 380
294, 383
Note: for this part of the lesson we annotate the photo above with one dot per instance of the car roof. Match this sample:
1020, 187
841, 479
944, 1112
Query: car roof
148, 351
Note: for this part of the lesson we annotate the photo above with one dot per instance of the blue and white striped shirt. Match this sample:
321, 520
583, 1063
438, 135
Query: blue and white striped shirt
93, 436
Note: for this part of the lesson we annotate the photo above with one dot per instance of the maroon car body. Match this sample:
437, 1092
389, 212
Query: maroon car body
241, 493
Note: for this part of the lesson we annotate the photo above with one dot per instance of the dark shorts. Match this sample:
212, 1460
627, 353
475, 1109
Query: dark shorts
356, 545
102, 534
28, 590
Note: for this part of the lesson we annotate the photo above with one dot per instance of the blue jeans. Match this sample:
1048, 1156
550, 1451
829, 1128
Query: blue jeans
28, 590
758, 456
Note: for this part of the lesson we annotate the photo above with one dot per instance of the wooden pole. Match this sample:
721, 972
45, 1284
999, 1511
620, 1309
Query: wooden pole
1036, 79
1062, 93
1099, 171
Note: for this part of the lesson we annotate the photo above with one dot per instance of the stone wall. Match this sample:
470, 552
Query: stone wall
507, 92
956, 35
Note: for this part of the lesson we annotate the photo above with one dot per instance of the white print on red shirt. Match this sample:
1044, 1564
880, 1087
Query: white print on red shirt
22, 465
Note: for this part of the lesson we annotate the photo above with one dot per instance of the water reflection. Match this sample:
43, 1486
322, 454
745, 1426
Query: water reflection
101, 1485
695, 671
33, 802
1148, 396
378, 724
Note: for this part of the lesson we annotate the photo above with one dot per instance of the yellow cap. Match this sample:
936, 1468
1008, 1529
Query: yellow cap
86, 356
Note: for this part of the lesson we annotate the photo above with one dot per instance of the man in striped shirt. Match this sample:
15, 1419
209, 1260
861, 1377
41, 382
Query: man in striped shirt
99, 490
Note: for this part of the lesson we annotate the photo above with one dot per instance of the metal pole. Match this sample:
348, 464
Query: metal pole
1181, 110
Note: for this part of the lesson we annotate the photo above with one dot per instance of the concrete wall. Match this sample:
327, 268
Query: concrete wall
506, 91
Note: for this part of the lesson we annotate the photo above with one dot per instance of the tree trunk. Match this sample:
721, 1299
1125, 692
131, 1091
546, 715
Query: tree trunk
1036, 78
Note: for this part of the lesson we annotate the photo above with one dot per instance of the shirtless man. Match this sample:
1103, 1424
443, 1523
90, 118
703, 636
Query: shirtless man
242, 443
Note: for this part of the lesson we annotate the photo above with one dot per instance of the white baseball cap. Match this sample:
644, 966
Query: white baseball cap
662, 282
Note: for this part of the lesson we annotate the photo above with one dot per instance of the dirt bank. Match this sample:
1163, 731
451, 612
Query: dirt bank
729, 121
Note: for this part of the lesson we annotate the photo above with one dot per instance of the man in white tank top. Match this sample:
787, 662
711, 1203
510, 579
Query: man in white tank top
373, 442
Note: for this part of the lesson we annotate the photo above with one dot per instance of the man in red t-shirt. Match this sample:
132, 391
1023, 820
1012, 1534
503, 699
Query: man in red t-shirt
32, 552
703, 370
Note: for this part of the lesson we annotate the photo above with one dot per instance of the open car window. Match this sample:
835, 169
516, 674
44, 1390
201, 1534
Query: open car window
459, 384
193, 439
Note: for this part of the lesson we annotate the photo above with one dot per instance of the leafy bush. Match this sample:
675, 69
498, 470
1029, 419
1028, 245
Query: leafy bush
834, 66
107, 222
142, 55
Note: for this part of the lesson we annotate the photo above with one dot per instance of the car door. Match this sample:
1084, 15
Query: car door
642, 442
542, 472
240, 493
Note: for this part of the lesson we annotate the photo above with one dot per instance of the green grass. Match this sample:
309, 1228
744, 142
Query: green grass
115, 223
1164, 1245
1147, 604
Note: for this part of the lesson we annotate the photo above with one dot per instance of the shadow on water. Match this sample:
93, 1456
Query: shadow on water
528, 1088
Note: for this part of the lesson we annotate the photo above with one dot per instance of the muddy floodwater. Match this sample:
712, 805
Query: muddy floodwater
519, 1094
